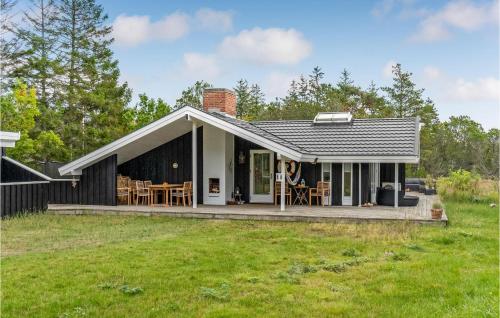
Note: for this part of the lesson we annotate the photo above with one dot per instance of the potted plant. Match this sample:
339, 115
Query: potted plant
437, 211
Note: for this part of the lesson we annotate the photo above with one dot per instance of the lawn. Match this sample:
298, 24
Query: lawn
99, 266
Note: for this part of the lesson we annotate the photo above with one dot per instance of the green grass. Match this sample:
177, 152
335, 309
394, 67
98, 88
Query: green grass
98, 266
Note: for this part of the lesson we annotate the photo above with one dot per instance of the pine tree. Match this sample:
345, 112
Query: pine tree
403, 96
242, 91
93, 100
193, 95
9, 45
40, 66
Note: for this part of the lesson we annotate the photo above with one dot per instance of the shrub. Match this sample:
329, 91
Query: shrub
299, 268
466, 186
437, 205
221, 293
336, 268
352, 252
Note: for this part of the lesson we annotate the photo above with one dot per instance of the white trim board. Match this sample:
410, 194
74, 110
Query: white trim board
8, 139
33, 171
23, 182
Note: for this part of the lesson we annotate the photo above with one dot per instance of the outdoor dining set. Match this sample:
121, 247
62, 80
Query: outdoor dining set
145, 192
303, 194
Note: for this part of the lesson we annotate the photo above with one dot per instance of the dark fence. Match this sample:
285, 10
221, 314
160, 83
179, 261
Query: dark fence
64, 192
23, 197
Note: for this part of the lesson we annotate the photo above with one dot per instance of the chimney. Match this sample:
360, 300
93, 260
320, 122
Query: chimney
220, 100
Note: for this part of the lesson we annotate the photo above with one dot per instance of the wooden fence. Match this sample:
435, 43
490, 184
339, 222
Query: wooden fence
23, 197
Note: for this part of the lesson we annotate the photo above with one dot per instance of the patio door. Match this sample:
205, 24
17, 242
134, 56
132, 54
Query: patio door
261, 176
326, 169
347, 184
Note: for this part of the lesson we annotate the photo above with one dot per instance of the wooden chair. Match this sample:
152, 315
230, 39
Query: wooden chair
147, 183
141, 192
184, 192
122, 189
277, 193
322, 190
132, 184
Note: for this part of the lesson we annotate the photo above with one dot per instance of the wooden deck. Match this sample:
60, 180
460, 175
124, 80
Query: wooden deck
418, 214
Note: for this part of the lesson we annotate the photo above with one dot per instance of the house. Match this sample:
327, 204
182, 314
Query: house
22, 189
358, 158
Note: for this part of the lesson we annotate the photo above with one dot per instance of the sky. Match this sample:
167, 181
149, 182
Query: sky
451, 47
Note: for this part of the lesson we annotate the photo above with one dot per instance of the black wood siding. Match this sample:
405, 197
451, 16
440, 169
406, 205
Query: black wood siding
13, 173
337, 183
311, 173
156, 164
387, 173
63, 192
242, 170
98, 183
23, 198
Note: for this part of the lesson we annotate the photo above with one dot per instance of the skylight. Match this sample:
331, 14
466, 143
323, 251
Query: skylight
332, 118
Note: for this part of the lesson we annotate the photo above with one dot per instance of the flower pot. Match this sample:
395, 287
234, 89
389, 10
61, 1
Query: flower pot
437, 214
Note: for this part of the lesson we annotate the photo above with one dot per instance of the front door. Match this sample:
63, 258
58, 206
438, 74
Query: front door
347, 184
261, 176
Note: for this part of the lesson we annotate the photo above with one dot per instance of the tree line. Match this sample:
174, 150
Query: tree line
60, 87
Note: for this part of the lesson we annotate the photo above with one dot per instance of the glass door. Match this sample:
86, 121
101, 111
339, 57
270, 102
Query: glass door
261, 176
326, 168
347, 184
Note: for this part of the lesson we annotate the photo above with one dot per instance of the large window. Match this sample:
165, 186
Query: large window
347, 179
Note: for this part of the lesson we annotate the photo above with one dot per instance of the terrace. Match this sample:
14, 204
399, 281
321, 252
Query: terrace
416, 214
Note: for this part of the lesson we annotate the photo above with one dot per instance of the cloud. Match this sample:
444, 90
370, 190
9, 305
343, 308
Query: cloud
387, 70
406, 9
461, 15
132, 30
481, 89
277, 84
431, 72
214, 20
451, 89
135, 30
200, 67
267, 46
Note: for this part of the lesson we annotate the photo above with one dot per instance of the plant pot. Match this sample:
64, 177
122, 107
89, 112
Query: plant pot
437, 214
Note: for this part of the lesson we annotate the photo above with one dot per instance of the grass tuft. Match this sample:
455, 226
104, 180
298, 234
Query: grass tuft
352, 252
131, 290
222, 293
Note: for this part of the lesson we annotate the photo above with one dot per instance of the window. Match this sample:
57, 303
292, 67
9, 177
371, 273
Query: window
331, 118
347, 179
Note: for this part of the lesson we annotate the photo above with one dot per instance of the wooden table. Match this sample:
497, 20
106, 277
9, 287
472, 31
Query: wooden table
166, 188
301, 196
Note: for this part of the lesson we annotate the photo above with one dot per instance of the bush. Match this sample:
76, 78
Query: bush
437, 205
466, 186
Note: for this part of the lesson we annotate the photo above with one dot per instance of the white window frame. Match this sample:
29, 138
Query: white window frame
262, 198
327, 165
346, 200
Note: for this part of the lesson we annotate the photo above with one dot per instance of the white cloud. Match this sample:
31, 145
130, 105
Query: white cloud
460, 14
200, 67
406, 8
453, 89
481, 89
277, 84
135, 30
387, 70
214, 20
431, 72
267, 46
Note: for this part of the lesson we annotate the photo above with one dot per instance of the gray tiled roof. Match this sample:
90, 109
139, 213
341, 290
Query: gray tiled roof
361, 137
256, 130
384, 137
